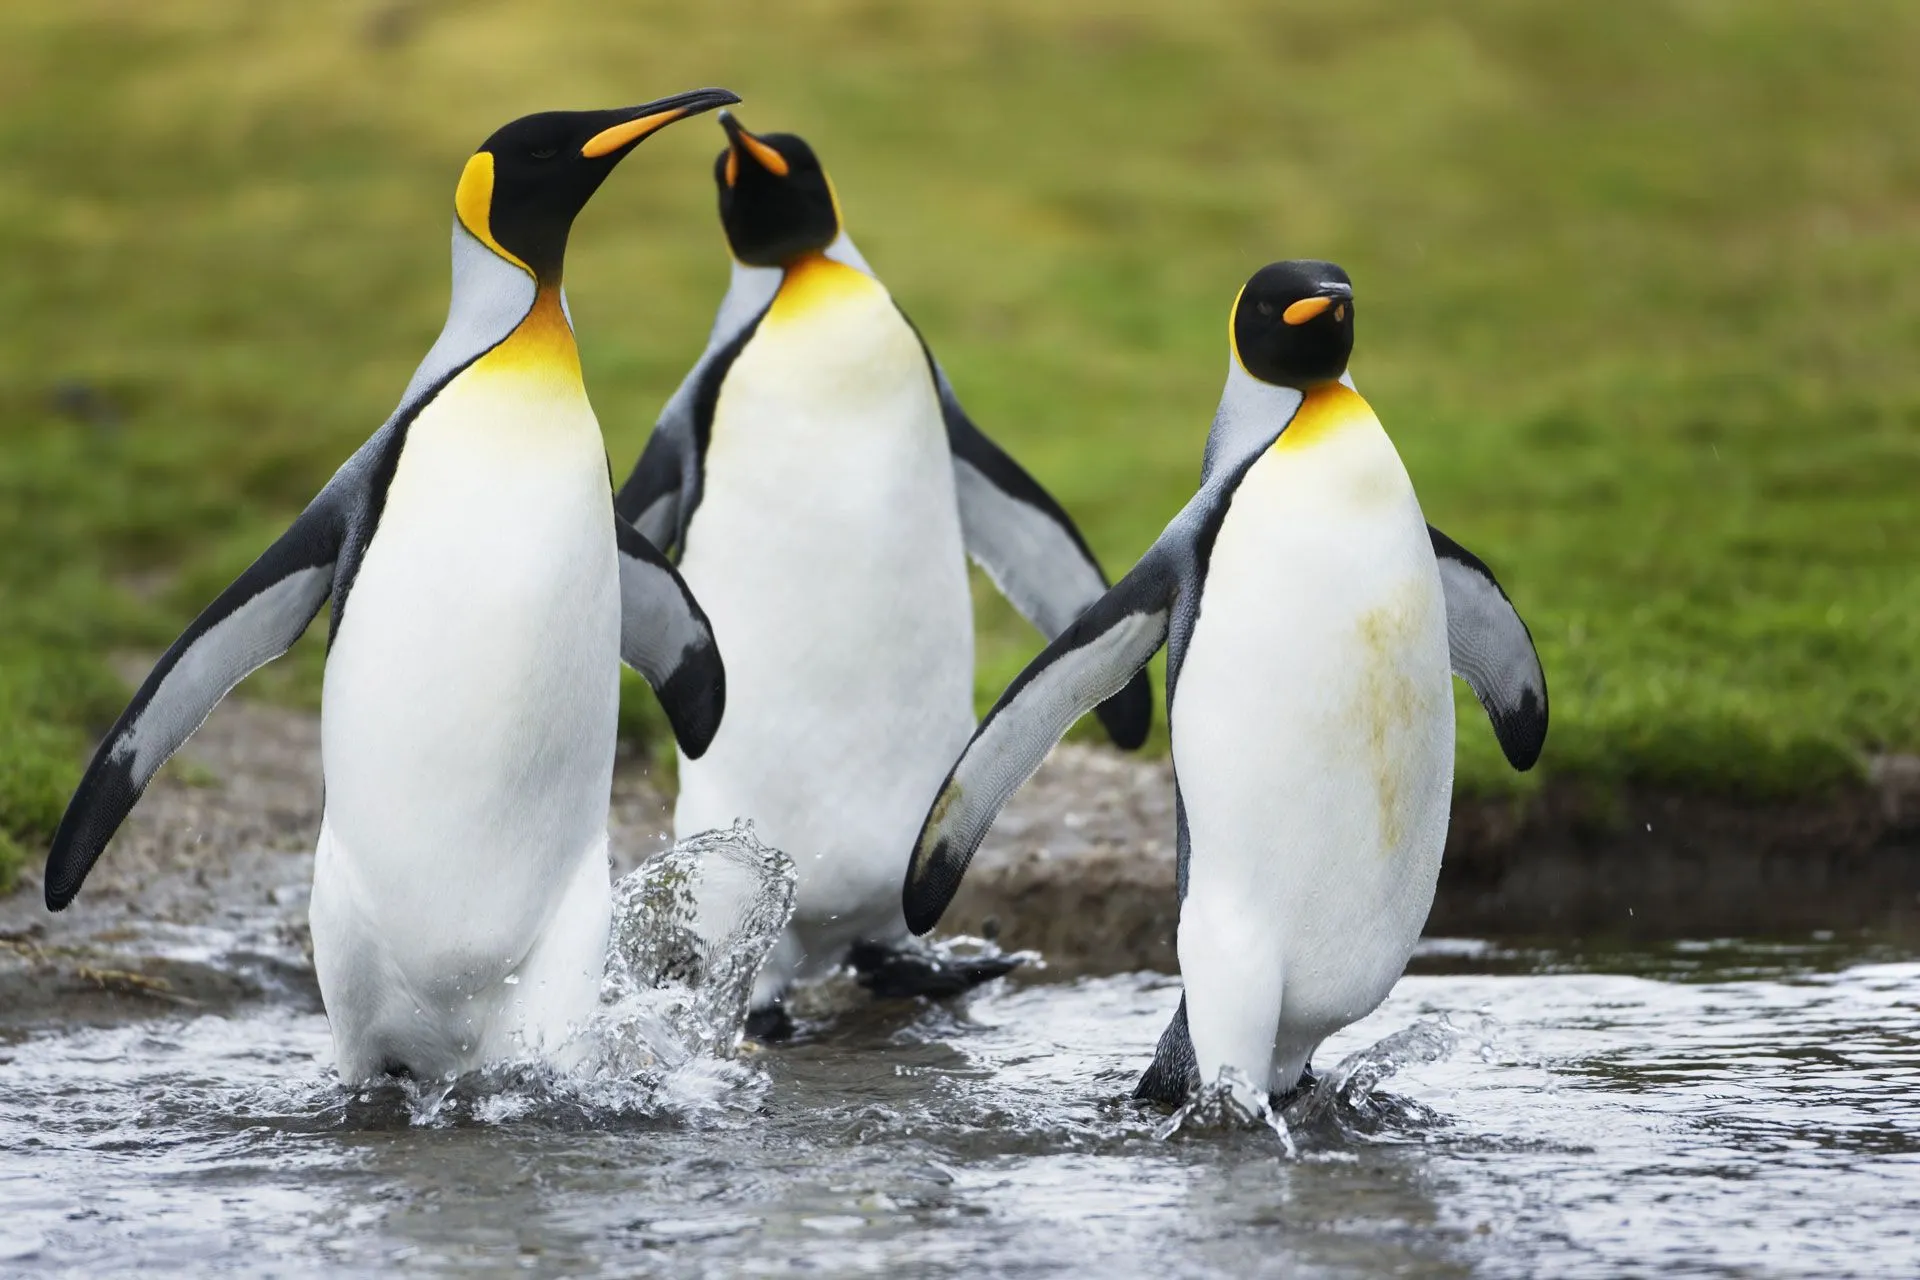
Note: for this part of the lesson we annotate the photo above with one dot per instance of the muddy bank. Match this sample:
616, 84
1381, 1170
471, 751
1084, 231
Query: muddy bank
218, 856
201, 901
1081, 866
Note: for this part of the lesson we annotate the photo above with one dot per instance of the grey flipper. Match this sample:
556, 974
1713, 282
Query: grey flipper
665, 636
1091, 660
265, 610
1492, 650
1032, 550
664, 489
1156, 603
252, 622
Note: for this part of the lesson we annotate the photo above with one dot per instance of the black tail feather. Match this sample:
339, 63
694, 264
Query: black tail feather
1175, 1072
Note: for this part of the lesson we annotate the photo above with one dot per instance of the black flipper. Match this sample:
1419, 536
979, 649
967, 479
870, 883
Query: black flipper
902, 972
664, 489
1032, 550
1492, 650
1175, 1072
1086, 663
249, 624
665, 636
650, 499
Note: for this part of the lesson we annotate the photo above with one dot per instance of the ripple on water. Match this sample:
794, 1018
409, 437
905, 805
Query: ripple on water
1730, 1110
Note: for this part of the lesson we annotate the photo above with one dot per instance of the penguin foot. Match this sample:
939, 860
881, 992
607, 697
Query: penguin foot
1301, 1088
898, 973
770, 1024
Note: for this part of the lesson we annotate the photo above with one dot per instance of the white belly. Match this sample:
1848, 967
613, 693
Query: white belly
827, 551
1312, 733
468, 735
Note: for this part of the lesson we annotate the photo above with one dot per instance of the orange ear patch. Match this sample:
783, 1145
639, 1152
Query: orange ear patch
473, 204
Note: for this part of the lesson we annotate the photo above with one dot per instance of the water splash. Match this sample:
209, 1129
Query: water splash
1347, 1102
690, 930
1349, 1097
1230, 1104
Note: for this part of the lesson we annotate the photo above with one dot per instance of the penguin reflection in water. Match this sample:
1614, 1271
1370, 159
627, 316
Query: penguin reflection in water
483, 598
1309, 612
822, 489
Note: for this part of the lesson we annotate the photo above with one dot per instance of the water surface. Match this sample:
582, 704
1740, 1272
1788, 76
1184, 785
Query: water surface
1725, 1108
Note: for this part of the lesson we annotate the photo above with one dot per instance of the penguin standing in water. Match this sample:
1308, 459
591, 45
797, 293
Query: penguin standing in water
484, 596
1309, 613
822, 489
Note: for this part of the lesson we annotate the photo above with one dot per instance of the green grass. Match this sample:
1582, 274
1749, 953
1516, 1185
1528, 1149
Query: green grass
1637, 297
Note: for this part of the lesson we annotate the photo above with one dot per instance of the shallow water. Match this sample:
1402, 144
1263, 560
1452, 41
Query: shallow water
1728, 1108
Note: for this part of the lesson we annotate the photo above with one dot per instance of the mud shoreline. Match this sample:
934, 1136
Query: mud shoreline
1079, 868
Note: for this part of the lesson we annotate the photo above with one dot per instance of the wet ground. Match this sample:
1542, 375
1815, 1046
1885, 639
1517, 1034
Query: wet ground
1725, 1108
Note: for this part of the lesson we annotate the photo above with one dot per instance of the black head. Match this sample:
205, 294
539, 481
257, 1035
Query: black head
1293, 323
775, 201
523, 187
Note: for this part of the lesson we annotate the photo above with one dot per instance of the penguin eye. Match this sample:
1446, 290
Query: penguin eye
1264, 308
544, 153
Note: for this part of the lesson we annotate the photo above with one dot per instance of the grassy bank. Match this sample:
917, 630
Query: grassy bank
1638, 302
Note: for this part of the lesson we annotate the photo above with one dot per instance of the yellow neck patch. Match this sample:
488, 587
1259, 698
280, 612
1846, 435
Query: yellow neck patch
473, 203
541, 347
1233, 336
814, 281
1327, 408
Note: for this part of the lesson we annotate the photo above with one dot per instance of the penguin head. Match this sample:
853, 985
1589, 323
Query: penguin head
1293, 323
521, 190
775, 201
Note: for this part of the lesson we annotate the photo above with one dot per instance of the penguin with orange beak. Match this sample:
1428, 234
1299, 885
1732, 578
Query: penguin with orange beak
484, 596
1311, 616
822, 489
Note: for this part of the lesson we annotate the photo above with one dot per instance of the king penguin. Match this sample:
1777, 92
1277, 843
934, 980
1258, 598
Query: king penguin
822, 489
484, 596
1310, 615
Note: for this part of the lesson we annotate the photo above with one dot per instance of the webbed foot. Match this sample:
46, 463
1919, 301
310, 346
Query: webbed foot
899, 972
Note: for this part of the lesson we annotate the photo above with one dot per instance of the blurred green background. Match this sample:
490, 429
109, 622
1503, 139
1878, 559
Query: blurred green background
1637, 282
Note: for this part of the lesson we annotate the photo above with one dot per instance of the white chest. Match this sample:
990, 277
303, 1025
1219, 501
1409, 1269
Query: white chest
1313, 720
472, 690
827, 551
827, 546
829, 415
